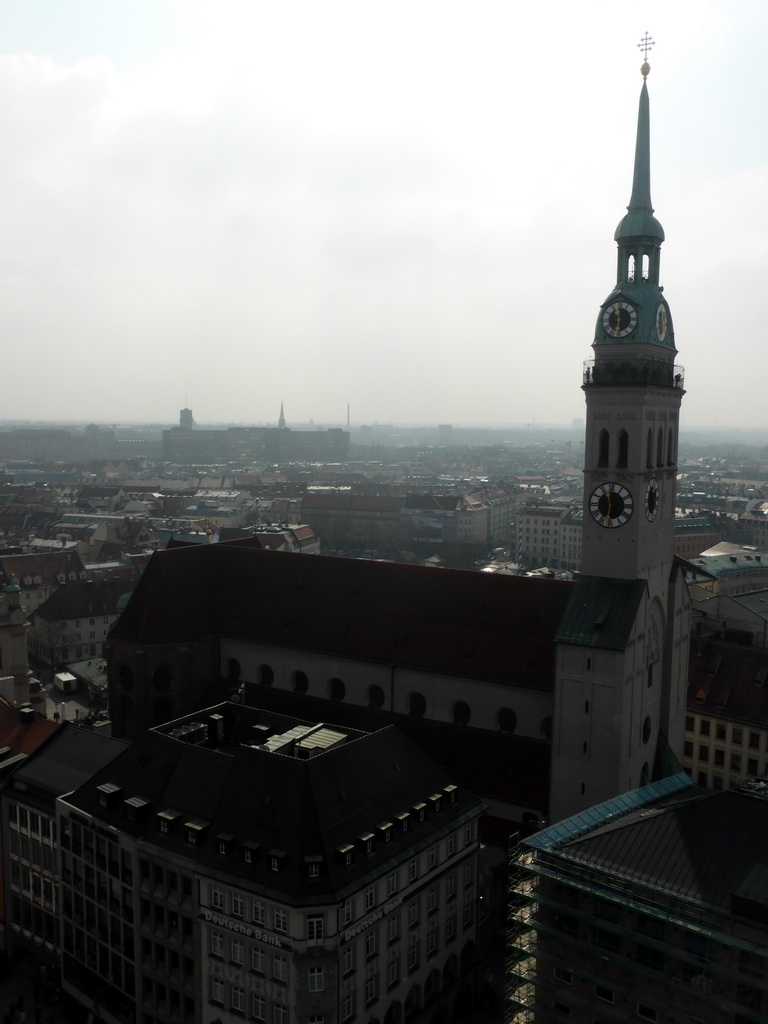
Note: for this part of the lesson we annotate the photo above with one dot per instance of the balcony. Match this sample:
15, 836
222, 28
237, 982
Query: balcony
655, 372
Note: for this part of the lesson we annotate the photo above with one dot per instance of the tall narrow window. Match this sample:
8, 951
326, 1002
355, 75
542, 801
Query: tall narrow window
660, 448
670, 447
621, 462
649, 450
602, 458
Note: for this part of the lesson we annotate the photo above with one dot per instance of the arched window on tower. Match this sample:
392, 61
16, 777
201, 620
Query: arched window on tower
621, 462
671, 447
646, 266
649, 452
603, 448
660, 448
631, 268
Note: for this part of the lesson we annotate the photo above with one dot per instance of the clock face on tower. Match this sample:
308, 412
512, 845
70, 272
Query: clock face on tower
651, 500
661, 322
619, 319
610, 505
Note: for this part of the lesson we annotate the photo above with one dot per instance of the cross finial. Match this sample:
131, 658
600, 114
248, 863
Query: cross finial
646, 44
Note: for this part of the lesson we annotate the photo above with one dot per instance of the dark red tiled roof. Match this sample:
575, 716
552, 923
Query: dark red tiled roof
480, 625
20, 736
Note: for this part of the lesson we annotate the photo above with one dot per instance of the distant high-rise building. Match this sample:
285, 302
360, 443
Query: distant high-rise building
186, 421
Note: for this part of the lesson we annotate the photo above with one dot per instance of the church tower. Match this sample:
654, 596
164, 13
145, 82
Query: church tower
623, 642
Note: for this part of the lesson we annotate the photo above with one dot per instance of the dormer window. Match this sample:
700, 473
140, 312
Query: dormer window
166, 820
224, 843
277, 860
194, 831
436, 802
403, 820
366, 842
250, 852
385, 831
108, 794
135, 808
420, 811
452, 792
346, 853
313, 864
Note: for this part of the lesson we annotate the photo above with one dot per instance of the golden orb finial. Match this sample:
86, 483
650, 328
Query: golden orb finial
646, 44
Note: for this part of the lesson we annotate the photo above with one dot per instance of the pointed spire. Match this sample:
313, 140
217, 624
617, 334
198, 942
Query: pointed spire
639, 221
281, 421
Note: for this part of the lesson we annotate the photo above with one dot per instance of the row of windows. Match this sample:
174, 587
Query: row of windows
370, 947
736, 761
378, 893
605, 995
235, 904
721, 731
461, 711
253, 1004
31, 822
622, 454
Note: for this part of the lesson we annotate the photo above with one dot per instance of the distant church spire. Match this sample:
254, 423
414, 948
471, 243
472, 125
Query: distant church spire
281, 421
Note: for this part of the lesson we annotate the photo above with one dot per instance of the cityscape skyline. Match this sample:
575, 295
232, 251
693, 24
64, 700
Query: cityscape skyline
234, 202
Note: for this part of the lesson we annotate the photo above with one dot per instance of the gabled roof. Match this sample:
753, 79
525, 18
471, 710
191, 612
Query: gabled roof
478, 625
601, 613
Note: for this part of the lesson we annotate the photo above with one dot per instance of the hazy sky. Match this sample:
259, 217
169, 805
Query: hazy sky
405, 206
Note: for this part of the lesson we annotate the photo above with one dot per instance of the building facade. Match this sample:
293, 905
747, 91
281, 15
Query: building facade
238, 864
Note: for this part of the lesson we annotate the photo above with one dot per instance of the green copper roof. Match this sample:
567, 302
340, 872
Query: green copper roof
601, 613
639, 221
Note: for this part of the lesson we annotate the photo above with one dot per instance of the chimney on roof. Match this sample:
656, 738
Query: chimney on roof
26, 715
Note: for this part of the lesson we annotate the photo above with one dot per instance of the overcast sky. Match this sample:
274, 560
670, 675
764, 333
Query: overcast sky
404, 206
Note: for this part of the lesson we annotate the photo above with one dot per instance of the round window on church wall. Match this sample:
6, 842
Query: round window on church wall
300, 682
647, 729
507, 720
336, 689
375, 697
417, 705
461, 712
266, 675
